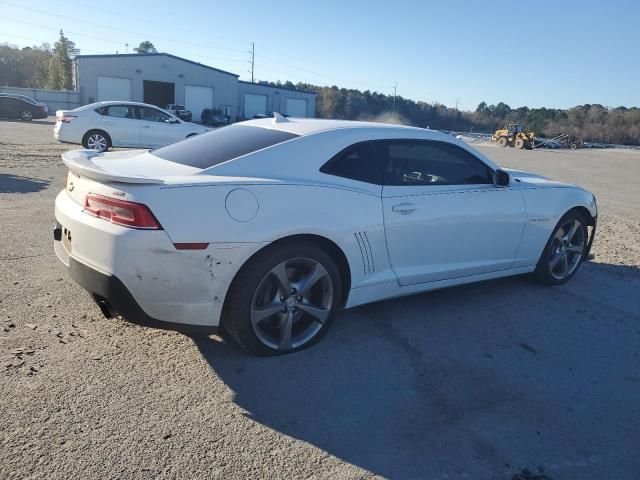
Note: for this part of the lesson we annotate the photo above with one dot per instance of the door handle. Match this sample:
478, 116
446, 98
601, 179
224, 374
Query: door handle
146, 126
109, 123
404, 208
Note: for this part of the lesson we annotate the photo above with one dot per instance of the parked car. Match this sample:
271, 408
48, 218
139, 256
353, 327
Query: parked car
213, 117
27, 99
100, 126
270, 227
12, 106
179, 111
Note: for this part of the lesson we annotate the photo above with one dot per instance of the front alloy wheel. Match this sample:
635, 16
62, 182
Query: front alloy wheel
27, 116
97, 142
567, 247
564, 251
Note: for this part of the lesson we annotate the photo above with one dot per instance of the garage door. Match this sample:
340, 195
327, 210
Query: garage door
296, 107
113, 88
197, 99
254, 105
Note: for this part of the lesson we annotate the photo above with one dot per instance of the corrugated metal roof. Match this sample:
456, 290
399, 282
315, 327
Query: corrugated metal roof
175, 57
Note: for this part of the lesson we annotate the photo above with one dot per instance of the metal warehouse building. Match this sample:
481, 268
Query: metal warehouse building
161, 78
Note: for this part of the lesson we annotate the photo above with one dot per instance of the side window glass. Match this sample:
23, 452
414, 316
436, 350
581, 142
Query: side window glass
119, 111
421, 162
153, 115
357, 162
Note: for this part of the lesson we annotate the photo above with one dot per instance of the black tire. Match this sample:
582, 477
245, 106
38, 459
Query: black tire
236, 319
26, 116
105, 135
543, 272
503, 141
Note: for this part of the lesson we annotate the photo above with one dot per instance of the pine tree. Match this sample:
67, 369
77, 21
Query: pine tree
61, 64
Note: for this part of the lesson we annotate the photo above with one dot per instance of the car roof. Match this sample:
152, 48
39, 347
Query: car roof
118, 102
306, 126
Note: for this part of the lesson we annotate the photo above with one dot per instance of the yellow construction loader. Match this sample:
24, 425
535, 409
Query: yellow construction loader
513, 135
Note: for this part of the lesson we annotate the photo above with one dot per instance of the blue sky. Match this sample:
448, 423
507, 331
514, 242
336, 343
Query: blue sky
556, 54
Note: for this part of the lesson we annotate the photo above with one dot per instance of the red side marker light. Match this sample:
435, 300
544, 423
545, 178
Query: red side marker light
191, 246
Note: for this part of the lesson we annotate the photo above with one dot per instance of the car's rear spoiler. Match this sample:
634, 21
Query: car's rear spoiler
79, 161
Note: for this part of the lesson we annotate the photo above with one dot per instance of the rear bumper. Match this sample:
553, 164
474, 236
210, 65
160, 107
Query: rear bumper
113, 298
140, 274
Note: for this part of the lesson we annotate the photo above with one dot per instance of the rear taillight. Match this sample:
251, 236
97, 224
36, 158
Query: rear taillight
66, 118
121, 212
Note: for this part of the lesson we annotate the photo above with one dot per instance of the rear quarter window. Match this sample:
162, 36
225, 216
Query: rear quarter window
217, 146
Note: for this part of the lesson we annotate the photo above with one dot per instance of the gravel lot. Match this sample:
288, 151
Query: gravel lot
504, 379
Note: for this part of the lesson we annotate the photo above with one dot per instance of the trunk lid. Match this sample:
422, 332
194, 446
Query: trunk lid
116, 174
133, 166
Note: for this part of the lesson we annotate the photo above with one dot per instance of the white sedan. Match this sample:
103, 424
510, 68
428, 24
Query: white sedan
270, 227
100, 126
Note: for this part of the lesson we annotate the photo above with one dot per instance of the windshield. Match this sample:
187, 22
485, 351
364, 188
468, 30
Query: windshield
218, 146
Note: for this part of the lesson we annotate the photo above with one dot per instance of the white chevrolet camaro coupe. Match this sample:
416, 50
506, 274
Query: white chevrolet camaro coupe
100, 126
269, 227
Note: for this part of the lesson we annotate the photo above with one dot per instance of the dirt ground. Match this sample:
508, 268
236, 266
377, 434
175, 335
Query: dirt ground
499, 380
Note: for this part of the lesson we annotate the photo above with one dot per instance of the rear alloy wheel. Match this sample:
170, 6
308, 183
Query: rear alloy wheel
564, 251
285, 301
26, 116
97, 141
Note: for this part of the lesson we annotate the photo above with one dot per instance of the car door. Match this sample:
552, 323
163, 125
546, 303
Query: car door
13, 107
158, 128
120, 122
444, 217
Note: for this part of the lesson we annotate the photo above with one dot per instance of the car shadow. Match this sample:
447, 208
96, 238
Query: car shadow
16, 184
41, 121
476, 381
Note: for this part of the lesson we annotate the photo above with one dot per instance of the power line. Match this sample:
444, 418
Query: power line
293, 66
57, 29
46, 41
85, 22
126, 44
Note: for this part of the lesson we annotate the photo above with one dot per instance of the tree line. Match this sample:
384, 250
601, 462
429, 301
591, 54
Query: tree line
590, 123
41, 66
45, 66
50, 67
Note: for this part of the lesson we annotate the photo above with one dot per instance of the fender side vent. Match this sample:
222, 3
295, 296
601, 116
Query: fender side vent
368, 265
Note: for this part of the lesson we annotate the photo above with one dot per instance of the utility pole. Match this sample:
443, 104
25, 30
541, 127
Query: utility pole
455, 114
126, 47
253, 59
395, 89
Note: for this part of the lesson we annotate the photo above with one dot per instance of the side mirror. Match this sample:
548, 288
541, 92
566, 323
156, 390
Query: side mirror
501, 178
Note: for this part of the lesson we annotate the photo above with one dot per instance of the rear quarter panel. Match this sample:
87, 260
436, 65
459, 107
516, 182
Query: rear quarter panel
351, 218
